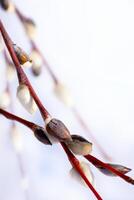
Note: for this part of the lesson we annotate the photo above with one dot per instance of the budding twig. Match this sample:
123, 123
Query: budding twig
16, 139
97, 162
46, 116
9, 115
39, 132
21, 74
76, 164
56, 81
23, 79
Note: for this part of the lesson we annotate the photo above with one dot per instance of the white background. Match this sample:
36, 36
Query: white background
90, 46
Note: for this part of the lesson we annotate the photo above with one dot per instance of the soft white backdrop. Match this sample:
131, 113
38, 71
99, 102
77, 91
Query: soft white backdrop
90, 46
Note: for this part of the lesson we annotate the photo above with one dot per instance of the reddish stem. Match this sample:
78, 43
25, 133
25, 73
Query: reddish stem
56, 81
21, 74
76, 164
11, 116
8, 61
23, 79
97, 162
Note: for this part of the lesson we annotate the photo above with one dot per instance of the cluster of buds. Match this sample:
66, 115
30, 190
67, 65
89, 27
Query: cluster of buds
34, 60
54, 127
77, 144
26, 99
7, 5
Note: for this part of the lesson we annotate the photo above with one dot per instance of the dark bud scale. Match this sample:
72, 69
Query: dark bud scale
120, 168
40, 134
57, 129
4, 4
21, 55
79, 145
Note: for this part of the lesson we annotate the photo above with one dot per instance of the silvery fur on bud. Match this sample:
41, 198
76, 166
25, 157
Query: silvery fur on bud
79, 145
87, 171
41, 135
57, 129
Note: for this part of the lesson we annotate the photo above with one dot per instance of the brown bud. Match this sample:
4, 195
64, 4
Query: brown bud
4, 4
21, 55
36, 70
79, 145
57, 129
40, 134
120, 168
30, 22
7, 5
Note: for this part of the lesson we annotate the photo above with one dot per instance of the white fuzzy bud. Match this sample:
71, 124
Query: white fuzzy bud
5, 100
63, 94
27, 64
23, 94
36, 58
31, 106
26, 99
86, 169
79, 145
10, 73
17, 139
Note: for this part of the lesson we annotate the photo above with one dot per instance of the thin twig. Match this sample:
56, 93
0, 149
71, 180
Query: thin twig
96, 162
22, 77
21, 74
76, 164
79, 118
11, 116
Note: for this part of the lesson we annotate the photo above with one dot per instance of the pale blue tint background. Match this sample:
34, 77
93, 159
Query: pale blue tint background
90, 46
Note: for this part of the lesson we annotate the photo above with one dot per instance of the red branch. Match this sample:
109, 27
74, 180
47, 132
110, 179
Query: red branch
21, 74
76, 164
97, 162
8, 115
23, 79
23, 19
